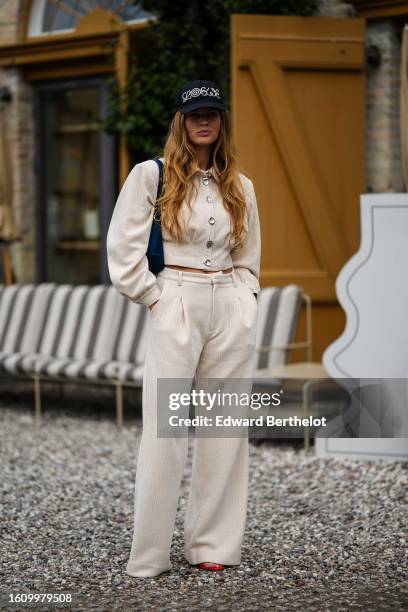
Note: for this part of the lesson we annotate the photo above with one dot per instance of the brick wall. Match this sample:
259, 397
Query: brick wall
383, 152
335, 8
11, 18
19, 125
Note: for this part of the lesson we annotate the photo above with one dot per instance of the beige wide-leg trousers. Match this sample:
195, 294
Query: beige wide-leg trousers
203, 326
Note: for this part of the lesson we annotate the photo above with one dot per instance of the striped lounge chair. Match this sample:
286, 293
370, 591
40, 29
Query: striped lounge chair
94, 335
279, 310
89, 334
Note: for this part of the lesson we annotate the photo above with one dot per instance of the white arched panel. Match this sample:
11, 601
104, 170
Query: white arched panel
372, 288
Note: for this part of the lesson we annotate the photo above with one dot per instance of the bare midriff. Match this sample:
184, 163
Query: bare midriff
185, 269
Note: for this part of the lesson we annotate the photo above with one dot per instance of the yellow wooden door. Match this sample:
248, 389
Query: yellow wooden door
298, 106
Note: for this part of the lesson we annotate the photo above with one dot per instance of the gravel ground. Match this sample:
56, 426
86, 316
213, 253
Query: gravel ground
321, 534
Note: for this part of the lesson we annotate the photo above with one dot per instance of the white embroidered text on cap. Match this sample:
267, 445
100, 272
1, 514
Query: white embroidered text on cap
200, 91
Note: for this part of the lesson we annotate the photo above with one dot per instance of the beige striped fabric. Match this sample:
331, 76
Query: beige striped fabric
203, 327
73, 332
278, 316
23, 312
93, 332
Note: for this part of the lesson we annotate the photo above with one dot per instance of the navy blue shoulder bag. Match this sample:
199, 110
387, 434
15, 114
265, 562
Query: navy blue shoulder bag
154, 254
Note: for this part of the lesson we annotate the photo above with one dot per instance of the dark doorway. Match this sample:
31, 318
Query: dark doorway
76, 169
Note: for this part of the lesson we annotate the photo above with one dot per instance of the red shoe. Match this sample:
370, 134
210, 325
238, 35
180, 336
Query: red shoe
209, 565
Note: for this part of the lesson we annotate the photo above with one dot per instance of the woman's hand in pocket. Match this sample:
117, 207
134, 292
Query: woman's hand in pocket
152, 305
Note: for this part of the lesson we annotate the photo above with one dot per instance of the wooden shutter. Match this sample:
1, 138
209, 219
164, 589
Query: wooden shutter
298, 105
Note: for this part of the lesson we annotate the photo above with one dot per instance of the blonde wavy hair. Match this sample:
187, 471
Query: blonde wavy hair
180, 164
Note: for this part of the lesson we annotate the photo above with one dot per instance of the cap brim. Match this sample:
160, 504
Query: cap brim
196, 104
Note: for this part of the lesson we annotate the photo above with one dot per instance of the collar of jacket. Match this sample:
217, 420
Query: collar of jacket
202, 173
211, 172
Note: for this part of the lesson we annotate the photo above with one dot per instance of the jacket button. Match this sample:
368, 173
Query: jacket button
205, 181
211, 220
209, 244
207, 262
209, 199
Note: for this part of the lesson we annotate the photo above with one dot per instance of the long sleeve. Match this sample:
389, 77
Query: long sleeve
247, 260
128, 235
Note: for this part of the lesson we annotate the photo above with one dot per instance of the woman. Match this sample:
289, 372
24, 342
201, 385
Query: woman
202, 324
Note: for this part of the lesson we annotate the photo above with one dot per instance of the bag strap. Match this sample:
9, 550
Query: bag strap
159, 184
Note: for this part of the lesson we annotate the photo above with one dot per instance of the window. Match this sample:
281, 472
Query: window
57, 16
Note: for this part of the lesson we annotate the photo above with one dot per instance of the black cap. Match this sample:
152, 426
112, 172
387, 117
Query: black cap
198, 94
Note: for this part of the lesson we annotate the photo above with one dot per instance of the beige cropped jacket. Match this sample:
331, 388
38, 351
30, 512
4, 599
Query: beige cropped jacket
205, 240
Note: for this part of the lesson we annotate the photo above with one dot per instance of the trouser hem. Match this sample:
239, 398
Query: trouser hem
145, 571
202, 555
